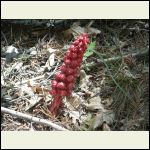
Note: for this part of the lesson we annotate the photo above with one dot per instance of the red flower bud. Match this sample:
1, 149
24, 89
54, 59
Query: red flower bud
71, 48
87, 40
73, 55
84, 47
70, 78
80, 56
70, 86
74, 64
63, 68
60, 77
75, 70
79, 60
61, 85
76, 42
65, 58
80, 38
53, 92
80, 44
67, 62
53, 83
69, 71
77, 73
68, 93
81, 51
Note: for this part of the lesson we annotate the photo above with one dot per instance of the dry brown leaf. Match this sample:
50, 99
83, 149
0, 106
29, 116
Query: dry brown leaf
100, 118
75, 101
97, 121
36, 88
107, 102
73, 104
84, 81
94, 104
76, 30
41, 90
31, 83
74, 115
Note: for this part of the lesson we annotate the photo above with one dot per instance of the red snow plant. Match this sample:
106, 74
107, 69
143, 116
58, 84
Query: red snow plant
63, 82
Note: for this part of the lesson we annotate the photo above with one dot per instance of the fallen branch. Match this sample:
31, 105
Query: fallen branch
109, 60
138, 54
34, 119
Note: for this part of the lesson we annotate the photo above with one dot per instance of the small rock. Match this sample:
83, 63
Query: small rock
11, 52
33, 53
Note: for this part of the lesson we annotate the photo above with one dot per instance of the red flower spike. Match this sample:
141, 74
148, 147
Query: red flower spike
56, 103
64, 81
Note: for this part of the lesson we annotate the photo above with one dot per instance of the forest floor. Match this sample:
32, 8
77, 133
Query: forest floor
111, 93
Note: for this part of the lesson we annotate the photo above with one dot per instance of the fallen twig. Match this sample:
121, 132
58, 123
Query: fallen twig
34, 119
113, 59
138, 54
25, 81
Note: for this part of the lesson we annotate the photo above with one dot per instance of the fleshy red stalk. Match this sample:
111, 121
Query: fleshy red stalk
64, 81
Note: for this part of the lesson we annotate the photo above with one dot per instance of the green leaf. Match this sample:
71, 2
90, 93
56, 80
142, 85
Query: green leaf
90, 48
